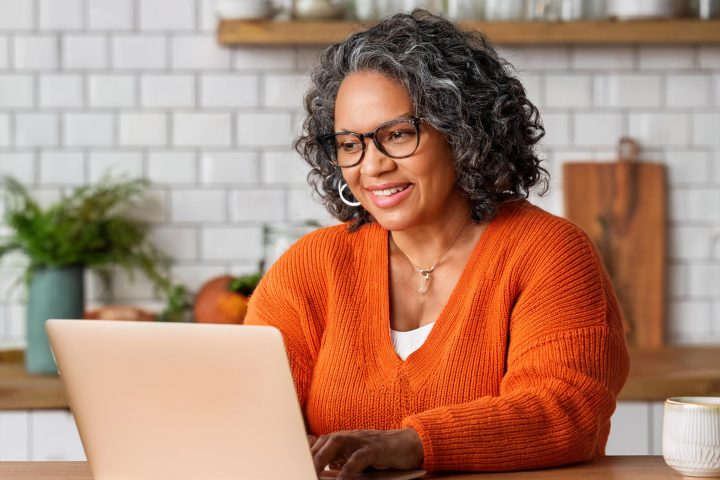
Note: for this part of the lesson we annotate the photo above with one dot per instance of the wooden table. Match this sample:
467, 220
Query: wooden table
614, 468
654, 375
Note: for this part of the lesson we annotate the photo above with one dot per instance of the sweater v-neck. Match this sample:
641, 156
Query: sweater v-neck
422, 358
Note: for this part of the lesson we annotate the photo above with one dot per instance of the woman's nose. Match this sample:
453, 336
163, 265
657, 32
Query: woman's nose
374, 161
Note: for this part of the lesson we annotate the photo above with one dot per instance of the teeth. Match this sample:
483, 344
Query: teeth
387, 192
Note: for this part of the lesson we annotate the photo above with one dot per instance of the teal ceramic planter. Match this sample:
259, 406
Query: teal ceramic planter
54, 293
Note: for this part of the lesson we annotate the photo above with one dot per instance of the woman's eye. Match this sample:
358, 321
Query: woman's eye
350, 146
397, 135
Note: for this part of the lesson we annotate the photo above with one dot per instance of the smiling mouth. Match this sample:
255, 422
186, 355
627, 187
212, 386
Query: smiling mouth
390, 191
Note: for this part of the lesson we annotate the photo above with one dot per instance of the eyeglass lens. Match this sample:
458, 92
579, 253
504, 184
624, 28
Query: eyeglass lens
396, 139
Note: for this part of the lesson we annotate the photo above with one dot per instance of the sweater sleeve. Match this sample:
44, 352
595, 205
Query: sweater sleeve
284, 299
566, 363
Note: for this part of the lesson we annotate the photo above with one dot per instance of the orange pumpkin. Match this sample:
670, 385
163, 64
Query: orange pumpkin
119, 312
218, 302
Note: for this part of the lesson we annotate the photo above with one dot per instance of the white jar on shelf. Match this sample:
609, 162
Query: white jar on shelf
366, 10
466, 9
504, 9
243, 9
317, 10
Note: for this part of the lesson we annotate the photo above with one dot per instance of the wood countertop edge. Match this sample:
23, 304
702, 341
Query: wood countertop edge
620, 467
654, 376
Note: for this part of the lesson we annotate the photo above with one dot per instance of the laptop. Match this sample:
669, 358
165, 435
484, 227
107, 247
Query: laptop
155, 401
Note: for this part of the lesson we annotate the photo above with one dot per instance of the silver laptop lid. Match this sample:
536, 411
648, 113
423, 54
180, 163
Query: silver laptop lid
182, 401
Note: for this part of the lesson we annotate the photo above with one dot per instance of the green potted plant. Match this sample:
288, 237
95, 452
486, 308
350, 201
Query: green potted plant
89, 228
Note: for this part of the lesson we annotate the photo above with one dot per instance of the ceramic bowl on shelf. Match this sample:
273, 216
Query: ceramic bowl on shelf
317, 10
243, 9
646, 9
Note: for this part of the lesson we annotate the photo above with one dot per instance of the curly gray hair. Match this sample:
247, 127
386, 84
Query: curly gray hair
457, 83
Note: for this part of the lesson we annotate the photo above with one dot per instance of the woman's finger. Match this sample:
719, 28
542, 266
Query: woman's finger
311, 440
358, 461
328, 452
318, 444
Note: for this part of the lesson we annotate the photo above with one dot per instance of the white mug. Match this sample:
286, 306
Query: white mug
691, 435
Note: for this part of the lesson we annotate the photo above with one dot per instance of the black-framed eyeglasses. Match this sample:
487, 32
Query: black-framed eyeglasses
397, 138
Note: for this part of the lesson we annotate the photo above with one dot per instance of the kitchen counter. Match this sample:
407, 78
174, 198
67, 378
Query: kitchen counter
654, 375
22, 391
617, 468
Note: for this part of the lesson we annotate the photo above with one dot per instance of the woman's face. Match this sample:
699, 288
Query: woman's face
399, 193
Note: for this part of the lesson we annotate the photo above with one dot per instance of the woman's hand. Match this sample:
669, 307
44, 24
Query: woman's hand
355, 450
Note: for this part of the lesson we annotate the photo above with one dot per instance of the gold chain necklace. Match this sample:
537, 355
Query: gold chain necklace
426, 273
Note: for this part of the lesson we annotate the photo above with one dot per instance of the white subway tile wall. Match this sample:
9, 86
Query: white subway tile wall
260, 205
85, 52
35, 52
199, 52
172, 168
242, 243
141, 88
14, 436
688, 167
202, 129
229, 90
167, 15
285, 167
594, 129
665, 58
114, 162
110, 15
284, 90
709, 57
61, 91
16, 91
660, 128
4, 130
111, 90
89, 129
630, 425
207, 21
37, 129
139, 52
688, 91
628, 90
65, 15
706, 131
230, 168
62, 168
167, 91
690, 317
54, 436
603, 58
180, 243
206, 205
18, 165
4, 51
17, 15
143, 129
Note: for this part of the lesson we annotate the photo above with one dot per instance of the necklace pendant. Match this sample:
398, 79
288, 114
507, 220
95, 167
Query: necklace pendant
425, 286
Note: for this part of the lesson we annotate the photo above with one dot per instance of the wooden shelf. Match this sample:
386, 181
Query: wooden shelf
655, 374
657, 32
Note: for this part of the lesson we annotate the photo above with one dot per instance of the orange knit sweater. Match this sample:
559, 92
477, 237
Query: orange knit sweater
520, 371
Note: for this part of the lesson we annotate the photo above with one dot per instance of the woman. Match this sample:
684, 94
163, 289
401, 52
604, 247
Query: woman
447, 324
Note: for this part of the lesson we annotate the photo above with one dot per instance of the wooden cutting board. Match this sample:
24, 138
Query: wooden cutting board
622, 207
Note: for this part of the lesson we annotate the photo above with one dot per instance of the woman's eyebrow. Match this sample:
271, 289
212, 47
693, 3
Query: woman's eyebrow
399, 117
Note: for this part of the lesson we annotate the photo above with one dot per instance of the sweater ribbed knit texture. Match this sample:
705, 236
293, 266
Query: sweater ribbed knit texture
521, 369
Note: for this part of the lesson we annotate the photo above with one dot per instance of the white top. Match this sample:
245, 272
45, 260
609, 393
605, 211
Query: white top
406, 343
